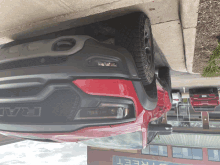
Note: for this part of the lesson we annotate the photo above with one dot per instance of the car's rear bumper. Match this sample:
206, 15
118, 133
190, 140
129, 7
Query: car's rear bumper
39, 67
42, 83
53, 109
123, 92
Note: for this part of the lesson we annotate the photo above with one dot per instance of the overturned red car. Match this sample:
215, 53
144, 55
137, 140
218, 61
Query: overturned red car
74, 88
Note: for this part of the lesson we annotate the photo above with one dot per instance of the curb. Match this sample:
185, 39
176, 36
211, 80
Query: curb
189, 16
167, 31
169, 38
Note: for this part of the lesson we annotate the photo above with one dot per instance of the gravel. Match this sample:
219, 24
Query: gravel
208, 33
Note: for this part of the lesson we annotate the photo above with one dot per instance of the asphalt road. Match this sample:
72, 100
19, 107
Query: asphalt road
180, 79
186, 89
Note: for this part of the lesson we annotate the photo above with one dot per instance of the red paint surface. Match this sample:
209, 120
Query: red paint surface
211, 100
123, 88
115, 88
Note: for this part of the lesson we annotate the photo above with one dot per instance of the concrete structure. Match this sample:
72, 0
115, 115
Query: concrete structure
42, 17
25, 19
189, 36
189, 15
171, 32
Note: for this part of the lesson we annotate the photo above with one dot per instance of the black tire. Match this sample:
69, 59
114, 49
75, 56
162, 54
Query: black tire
134, 34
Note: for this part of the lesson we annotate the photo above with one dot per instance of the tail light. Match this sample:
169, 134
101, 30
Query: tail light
105, 110
111, 64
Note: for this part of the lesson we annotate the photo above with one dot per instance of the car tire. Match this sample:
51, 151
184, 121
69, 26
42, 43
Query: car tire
134, 34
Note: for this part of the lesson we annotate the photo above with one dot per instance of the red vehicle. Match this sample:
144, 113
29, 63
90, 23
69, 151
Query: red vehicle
74, 88
204, 99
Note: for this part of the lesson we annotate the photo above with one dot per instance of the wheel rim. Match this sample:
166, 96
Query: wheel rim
147, 42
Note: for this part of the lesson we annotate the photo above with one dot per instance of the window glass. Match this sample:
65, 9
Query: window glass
187, 153
213, 155
218, 155
163, 150
197, 153
177, 152
146, 150
153, 150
